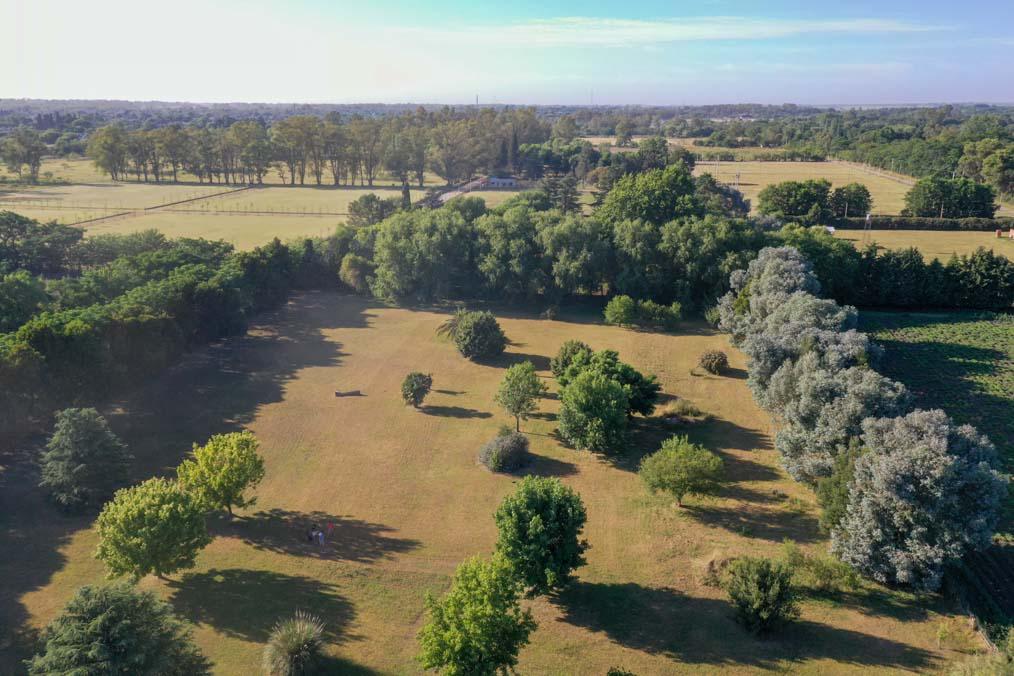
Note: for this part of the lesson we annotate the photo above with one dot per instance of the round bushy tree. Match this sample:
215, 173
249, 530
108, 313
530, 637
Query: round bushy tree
642, 391
621, 311
294, 646
222, 470
926, 492
593, 413
478, 628
681, 468
506, 453
540, 527
415, 387
478, 335
519, 391
84, 462
714, 361
153, 527
117, 629
354, 273
761, 592
565, 356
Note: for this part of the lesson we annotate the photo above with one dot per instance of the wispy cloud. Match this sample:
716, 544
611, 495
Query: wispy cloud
598, 32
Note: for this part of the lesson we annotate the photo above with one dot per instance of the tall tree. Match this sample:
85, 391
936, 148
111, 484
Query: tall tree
222, 470
519, 391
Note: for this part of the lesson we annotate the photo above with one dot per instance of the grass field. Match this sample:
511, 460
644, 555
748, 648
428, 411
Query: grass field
410, 502
107, 197
932, 243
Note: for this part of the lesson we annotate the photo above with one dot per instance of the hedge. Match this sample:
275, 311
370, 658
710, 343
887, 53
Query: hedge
916, 223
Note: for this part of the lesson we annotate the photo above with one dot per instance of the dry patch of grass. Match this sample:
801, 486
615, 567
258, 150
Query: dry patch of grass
932, 244
409, 502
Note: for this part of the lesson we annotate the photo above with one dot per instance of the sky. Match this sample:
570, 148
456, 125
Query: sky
513, 51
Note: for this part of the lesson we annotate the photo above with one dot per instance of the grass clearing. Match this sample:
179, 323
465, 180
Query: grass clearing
941, 244
410, 501
291, 199
111, 197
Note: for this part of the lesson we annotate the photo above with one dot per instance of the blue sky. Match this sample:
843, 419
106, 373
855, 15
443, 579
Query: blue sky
708, 51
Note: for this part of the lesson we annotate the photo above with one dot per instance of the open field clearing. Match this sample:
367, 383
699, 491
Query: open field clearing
110, 197
932, 244
409, 502
752, 177
291, 199
244, 231
65, 215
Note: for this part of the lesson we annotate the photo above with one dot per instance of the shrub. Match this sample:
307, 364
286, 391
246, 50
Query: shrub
565, 356
478, 627
762, 593
84, 462
713, 315
833, 491
917, 223
294, 646
593, 413
681, 468
117, 629
650, 313
540, 525
354, 273
682, 411
714, 361
621, 311
415, 387
222, 470
478, 336
506, 453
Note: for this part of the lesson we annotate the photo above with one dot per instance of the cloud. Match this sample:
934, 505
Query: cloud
598, 32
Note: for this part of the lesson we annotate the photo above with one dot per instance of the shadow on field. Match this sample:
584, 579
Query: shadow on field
285, 532
757, 522
702, 631
339, 666
539, 361
544, 466
454, 412
247, 603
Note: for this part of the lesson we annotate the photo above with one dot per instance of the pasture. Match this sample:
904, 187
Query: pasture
940, 244
410, 502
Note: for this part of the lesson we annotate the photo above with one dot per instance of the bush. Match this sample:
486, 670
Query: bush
761, 592
650, 313
713, 315
593, 413
294, 646
919, 223
355, 272
621, 311
415, 387
506, 453
117, 629
478, 335
681, 468
714, 361
84, 462
540, 525
565, 356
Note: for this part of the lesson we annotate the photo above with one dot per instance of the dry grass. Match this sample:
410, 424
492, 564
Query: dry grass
932, 243
409, 502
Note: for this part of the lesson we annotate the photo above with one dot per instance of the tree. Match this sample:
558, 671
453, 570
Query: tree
478, 336
506, 453
21, 296
593, 412
681, 468
519, 391
833, 490
117, 629
656, 196
370, 209
806, 201
998, 171
761, 592
621, 311
478, 627
153, 527
540, 528
624, 132
354, 273
294, 646
951, 198
222, 470
565, 356
415, 387
641, 390
107, 148
23, 149
84, 462
925, 494
850, 200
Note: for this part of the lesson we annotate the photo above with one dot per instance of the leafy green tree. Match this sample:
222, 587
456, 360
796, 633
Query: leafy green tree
566, 355
951, 198
153, 527
807, 201
593, 412
117, 629
510, 259
84, 462
22, 150
222, 470
295, 645
579, 249
415, 387
681, 468
355, 273
519, 391
621, 311
642, 391
761, 592
833, 490
369, 209
478, 627
850, 200
656, 196
998, 171
21, 296
540, 529
478, 335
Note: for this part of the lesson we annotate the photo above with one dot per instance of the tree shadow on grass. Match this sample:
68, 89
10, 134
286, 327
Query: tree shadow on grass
757, 522
450, 392
339, 666
541, 465
540, 362
454, 411
702, 631
247, 603
351, 539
